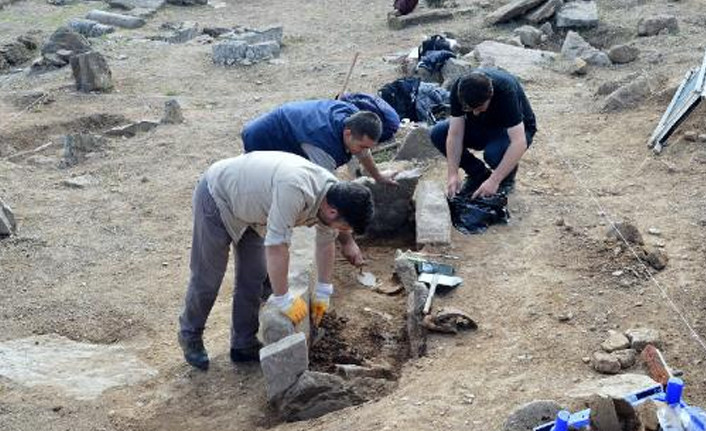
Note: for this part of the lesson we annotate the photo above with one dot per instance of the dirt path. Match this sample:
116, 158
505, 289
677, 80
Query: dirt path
109, 264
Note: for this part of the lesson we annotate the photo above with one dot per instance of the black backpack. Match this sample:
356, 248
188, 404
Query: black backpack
433, 43
401, 94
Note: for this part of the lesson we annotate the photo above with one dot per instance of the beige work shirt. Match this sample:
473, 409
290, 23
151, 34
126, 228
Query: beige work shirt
270, 191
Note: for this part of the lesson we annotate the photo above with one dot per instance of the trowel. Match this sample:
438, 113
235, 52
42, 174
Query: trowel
434, 280
366, 278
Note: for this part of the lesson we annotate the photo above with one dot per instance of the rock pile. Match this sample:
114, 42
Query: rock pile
59, 48
19, 51
246, 46
570, 14
619, 351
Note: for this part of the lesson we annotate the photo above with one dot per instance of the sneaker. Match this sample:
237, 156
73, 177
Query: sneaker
246, 354
194, 352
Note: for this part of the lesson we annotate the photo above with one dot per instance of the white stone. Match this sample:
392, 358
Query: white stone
527, 64
577, 14
615, 386
282, 363
432, 214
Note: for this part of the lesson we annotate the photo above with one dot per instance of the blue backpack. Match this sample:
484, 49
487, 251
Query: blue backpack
387, 114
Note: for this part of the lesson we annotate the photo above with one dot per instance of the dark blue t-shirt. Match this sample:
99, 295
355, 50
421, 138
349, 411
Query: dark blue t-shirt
316, 122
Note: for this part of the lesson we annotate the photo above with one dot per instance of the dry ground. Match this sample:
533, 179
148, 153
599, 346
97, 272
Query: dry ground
109, 264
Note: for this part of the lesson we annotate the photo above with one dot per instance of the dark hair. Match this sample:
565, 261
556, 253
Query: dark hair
354, 203
364, 123
475, 89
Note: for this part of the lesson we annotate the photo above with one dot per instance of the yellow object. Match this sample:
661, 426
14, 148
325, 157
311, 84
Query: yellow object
297, 311
319, 307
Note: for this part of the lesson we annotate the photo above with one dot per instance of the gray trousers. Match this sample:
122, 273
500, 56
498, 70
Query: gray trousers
209, 258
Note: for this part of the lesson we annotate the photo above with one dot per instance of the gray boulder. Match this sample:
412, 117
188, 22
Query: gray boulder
544, 12
67, 39
621, 54
8, 225
531, 415
172, 113
626, 357
578, 14
628, 96
91, 72
453, 69
116, 19
511, 10
641, 337
316, 394
89, 28
417, 146
529, 36
654, 25
606, 363
575, 46
615, 341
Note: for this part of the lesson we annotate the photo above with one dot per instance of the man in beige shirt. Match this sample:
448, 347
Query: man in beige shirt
254, 201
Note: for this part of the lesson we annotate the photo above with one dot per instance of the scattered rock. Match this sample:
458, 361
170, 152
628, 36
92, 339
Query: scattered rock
625, 230
91, 72
432, 214
8, 225
416, 332
578, 67
314, 394
453, 69
449, 320
529, 36
400, 22
180, 32
641, 337
394, 215
15, 53
132, 130
577, 14
282, 363
511, 10
90, 28
575, 46
417, 145
626, 357
628, 96
655, 25
615, 341
690, 136
232, 52
544, 12
655, 257
115, 19
172, 113
621, 54
77, 146
605, 363
531, 415
80, 182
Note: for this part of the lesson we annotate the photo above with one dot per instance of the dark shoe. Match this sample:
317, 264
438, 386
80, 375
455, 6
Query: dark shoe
507, 186
246, 354
194, 353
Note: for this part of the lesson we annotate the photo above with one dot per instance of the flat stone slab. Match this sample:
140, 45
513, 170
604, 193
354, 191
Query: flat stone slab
433, 217
232, 52
282, 363
78, 370
577, 14
116, 19
132, 130
527, 64
615, 386
400, 22
544, 12
511, 10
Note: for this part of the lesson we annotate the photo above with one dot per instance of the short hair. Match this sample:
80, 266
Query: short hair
364, 123
475, 89
354, 203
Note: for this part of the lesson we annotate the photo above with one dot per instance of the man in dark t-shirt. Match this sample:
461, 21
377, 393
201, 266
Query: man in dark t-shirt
489, 113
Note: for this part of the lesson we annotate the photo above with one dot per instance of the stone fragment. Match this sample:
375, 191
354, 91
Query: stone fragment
274, 325
524, 63
449, 320
416, 332
529, 36
621, 54
605, 363
115, 19
91, 72
628, 96
453, 69
8, 225
315, 394
577, 14
89, 28
531, 415
547, 29
77, 146
640, 337
352, 371
655, 257
578, 67
251, 36
417, 146
652, 26
400, 22
625, 230
132, 130
433, 217
544, 12
405, 271
231, 52
607, 87
511, 10
282, 363
575, 46
68, 39
180, 32
394, 209
615, 341
187, 2
614, 386
80, 182
603, 415
690, 136
626, 357
172, 113
647, 412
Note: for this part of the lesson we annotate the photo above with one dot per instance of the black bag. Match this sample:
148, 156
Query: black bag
401, 94
433, 43
471, 216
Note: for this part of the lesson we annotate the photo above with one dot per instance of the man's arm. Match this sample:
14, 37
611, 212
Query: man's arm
278, 267
454, 148
517, 148
325, 258
366, 159
350, 249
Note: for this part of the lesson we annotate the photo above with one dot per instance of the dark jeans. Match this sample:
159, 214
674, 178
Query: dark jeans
210, 249
494, 142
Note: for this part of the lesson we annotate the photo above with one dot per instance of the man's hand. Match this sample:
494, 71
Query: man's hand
387, 178
352, 253
293, 307
453, 185
321, 301
488, 188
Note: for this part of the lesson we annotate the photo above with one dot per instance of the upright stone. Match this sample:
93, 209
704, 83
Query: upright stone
400, 22
578, 14
544, 12
416, 332
417, 145
282, 363
433, 218
8, 225
172, 113
116, 19
91, 72
405, 271
77, 146
511, 10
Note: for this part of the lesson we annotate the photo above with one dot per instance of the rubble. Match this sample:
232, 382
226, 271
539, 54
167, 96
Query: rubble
577, 14
282, 363
91, 72
656, 24
432, 214
531, 415
115, 19
8, 225
89, 28
575, 46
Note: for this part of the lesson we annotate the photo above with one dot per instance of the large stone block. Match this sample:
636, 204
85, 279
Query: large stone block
578, 14
453, 69
616, 386
64, 38
316, 394
115, 19
231, 52
511, 10
89, 28
179, 32
400, 22
417, 145
8, 225
282, 363
525, 63
433, 218
544, 12
394, 209
91, 72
